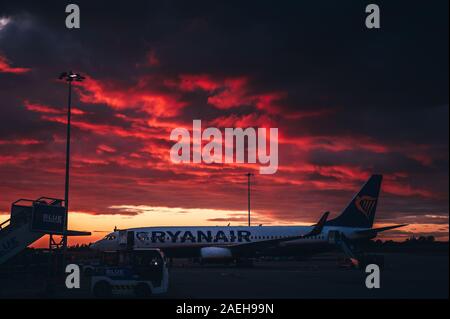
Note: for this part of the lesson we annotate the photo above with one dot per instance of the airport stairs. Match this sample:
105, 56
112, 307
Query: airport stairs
16, 233
355, 254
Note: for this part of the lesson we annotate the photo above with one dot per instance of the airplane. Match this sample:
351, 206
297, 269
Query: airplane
214, 243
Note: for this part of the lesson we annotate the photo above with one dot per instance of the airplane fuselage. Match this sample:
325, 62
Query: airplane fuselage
191, 239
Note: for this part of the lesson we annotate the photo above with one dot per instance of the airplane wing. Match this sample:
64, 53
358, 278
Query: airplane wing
318, 227
374, 231
78, 233
274, 242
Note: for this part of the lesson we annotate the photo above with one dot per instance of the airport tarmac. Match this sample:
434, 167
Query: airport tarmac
404, 276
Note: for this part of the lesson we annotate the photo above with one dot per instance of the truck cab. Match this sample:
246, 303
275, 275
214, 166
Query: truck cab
137, 272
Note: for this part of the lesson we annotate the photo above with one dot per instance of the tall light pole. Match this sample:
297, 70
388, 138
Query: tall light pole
69, 77
248, 194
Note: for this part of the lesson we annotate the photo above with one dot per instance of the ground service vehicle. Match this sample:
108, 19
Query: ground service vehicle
139, 273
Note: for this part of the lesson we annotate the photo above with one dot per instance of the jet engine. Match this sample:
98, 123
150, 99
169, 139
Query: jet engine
215, 253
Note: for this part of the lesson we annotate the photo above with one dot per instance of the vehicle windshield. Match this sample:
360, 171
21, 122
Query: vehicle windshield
148, 258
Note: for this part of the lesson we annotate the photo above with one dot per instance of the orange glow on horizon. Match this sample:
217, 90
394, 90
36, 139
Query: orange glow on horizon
148, 216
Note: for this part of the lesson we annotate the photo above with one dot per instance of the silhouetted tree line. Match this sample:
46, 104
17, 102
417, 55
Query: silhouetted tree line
411, 244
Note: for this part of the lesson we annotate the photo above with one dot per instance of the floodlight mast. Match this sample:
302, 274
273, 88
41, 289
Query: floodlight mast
69, 77
248, 195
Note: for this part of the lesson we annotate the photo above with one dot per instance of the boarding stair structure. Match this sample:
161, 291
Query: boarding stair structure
22, 228
356, 255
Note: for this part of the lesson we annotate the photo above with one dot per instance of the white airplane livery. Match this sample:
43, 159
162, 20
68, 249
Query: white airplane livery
212, 243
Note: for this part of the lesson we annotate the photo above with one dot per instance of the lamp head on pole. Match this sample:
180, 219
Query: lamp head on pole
70, 76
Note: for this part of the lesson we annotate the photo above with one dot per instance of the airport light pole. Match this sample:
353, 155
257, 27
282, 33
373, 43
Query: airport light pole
69, 77
248, 194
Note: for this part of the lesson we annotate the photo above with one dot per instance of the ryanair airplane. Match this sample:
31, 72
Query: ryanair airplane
353, 225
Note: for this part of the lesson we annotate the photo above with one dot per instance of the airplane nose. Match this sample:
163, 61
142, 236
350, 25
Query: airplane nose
94, 246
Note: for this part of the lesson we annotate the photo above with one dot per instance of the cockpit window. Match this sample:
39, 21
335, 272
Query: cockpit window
110, 237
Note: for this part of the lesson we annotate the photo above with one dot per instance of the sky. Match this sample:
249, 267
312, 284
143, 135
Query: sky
347, 101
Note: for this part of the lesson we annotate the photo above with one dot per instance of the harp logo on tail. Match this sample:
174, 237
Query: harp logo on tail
365, 204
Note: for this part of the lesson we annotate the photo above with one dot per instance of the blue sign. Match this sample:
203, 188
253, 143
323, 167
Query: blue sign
48, 219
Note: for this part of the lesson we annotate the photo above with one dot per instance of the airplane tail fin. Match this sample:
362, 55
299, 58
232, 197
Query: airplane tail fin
360, 212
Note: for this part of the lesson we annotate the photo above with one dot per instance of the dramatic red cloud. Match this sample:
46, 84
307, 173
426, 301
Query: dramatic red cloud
141, 96
105, 149
407, 190
235, 93
229, 93
248, 120
195, 82
40, 108
20, 142
124, 161
5, 67
336, 143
